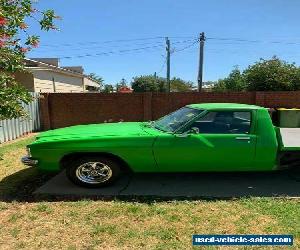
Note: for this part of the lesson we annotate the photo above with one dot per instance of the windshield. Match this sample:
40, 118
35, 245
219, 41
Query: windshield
175, 120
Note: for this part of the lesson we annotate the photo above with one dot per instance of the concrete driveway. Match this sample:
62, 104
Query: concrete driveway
174, 186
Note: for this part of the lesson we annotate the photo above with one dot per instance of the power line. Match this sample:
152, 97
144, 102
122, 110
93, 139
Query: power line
249, 41
103, 42
162, 37
184, 41
162, 66
186, 47
100, 47
166, 59
156, 45
176, 37
85, 44
114, 46
110, 41
112, 52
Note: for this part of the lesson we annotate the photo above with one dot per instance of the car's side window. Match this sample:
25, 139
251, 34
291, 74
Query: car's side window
224, 122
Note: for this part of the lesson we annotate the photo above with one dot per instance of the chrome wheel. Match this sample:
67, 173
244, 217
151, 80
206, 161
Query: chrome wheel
93, 172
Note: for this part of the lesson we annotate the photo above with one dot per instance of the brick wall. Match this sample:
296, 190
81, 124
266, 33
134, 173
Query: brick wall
66, 109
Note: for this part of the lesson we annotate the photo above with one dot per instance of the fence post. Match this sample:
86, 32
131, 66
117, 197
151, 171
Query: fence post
147, 102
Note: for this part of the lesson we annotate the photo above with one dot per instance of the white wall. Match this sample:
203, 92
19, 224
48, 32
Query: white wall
43, 81
89, 82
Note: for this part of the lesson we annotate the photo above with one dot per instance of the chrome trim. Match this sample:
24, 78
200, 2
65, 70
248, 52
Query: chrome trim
242, 138
26, 160
28, 151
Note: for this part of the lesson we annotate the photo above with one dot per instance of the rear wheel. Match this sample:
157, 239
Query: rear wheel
93, 171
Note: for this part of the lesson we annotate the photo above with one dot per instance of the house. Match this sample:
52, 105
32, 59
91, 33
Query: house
45, 75
125, 89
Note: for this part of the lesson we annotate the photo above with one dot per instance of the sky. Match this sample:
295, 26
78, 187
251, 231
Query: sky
125, 38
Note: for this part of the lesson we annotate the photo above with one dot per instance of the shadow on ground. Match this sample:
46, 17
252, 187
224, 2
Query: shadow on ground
21, 185
155, 186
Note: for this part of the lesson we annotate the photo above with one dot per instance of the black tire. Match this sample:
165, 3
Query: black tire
77, 173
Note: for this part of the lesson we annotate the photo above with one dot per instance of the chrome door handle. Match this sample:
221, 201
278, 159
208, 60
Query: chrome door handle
242, 138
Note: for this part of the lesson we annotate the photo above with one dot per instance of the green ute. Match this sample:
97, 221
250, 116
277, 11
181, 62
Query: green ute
195, 138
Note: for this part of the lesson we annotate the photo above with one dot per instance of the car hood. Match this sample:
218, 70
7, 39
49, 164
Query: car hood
97, 130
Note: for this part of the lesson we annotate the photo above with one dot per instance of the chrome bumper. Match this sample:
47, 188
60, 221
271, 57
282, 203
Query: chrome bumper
26, 160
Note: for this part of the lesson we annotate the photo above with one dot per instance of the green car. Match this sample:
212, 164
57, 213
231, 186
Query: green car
196, 138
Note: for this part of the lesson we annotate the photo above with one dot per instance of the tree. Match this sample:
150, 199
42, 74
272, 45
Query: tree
179, 85
97, 78
148, 83
265, 75
13, 49
122, 83
108, 88
234, 82
273, 74
151, 83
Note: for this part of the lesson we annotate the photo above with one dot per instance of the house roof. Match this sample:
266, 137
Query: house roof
34, 64
47, 60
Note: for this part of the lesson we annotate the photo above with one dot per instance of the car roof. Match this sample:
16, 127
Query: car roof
209, 106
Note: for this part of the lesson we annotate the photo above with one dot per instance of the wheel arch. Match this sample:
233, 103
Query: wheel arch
71, 156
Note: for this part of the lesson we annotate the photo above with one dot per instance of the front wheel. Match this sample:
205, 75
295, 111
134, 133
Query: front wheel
93, 171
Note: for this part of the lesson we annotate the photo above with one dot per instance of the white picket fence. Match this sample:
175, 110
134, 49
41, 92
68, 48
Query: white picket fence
14, 128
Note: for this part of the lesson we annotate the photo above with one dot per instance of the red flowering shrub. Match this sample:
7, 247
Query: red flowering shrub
35, 44
3, 21
13, 49
24, 50
23, 26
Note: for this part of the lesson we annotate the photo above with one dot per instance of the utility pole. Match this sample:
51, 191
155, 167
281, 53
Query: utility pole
201, 55
168, 64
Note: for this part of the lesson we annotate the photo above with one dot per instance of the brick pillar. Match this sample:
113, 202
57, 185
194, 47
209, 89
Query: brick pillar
45, 112
147, 102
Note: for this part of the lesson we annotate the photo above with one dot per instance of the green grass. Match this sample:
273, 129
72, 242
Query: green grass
287, 213
18, 145
10, 165
17, 180
118, 224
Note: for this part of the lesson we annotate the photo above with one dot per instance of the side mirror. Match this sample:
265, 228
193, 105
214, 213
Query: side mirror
194, 130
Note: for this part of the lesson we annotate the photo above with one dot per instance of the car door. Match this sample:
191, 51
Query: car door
225, 142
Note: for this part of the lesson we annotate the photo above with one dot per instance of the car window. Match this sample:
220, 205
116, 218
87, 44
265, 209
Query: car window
242, 115
177, 119
224, 122
209, 117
